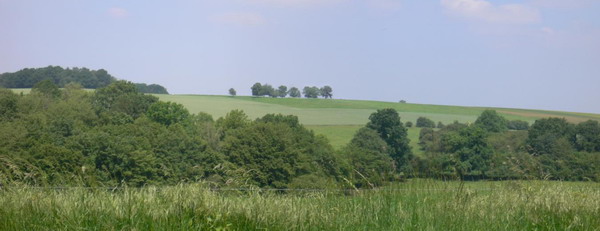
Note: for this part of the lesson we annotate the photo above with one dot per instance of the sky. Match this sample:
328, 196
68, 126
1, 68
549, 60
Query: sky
539, 54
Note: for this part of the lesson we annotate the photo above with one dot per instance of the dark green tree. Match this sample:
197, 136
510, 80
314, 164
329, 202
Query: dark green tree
587, 136
369, 158
311, 92
517, 125
491, 121
326, 92
167, 113
8, 104
282, 91
550, 136
389, 127
256, 89
46, 88
295, 93
424, 122
122, 97
232, 92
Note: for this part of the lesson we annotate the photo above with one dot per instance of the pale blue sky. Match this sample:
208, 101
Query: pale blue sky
542, 54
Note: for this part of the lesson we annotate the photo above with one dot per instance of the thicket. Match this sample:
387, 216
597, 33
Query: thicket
282, 91
552, 148
117, 135
90, 79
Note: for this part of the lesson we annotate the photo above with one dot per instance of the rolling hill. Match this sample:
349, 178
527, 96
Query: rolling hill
339, 119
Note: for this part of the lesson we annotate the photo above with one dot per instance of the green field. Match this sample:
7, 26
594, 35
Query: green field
340, 119
413, 205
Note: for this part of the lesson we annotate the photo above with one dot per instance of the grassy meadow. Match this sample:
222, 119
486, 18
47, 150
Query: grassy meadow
413, 205
339, 119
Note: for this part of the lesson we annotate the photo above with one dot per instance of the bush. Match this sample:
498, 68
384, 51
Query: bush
423, 122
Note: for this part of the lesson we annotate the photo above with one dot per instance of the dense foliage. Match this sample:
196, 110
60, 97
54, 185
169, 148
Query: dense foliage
551, 149
282, 91
152, 88
117, 135
424, 122
90, 79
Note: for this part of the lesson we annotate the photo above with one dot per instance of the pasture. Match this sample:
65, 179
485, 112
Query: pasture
414, 205
339, 119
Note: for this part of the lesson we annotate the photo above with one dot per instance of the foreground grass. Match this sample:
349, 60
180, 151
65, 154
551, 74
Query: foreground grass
415, 205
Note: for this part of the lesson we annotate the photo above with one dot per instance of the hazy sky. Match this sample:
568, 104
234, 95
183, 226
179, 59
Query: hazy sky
541, 54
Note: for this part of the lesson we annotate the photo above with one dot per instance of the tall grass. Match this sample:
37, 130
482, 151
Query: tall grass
415, 205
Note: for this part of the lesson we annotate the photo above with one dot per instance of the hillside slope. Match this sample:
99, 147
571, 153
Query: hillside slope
339, 119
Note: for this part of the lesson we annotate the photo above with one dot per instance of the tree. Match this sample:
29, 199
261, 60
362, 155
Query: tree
369, 158
550, 136
517, 125
440, 125
294, 92
587, 136
152, 88
326, 92
256, 89
8, 104
272, 153
311, 92
389, 127
122, 97
408, 124
471, 150
232, 92
491, 121
424, 122
267, 90
167, 113
282, 91
46, 88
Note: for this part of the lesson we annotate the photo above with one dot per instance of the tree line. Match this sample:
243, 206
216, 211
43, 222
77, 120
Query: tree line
120, 136
90, 79
282, 91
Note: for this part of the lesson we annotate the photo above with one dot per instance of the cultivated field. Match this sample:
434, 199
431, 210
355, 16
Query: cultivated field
413, 205
340, 119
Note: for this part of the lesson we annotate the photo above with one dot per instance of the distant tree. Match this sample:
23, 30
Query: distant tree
256, 89
167, 113
282, 91
311, 92
294, 92
470, 149
152, 88
326, 92
122, 97
232, 92
550, 136
389, 127
424, 122
8, 104
233, 120
402, 101
517, 125
440, 125
491, 121
268, 90
408, 124
369, 157
587, 136
28, 77
46, 88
